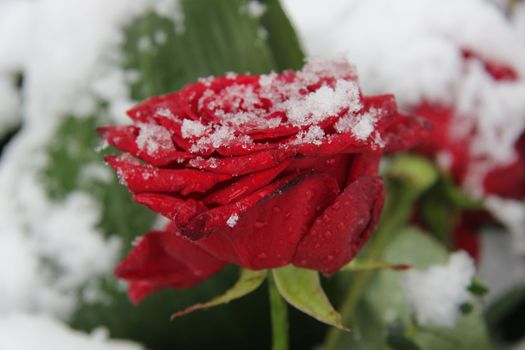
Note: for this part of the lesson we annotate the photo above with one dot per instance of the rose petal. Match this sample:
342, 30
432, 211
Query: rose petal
165, 260
405, 133
337, 166
244, 164
267, 235
343, 228
245, 185
363, 164
142, 178
208, 222
337, 144
124, 138
178, 210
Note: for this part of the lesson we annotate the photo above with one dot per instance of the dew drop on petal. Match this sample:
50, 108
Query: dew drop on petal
260, 224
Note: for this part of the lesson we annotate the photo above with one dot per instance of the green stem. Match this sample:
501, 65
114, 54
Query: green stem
279, 314
397, 212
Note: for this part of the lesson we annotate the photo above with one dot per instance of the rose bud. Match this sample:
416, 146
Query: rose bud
257, 171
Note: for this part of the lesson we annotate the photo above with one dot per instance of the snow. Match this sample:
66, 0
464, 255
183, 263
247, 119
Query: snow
241, 108
95, 171
512, 214
46, 333
232, 220
35, 231
326, 101
361, 127
314, 135
52, 252
518, 19
13, 20
255, 8
63, 74
436, 293
153, 138
191, 128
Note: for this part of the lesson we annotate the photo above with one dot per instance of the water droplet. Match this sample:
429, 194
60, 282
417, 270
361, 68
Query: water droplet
260, 224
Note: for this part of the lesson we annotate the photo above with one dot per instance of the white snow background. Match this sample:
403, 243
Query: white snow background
68, 51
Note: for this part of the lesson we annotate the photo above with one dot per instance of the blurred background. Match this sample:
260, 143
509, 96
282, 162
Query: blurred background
67, 67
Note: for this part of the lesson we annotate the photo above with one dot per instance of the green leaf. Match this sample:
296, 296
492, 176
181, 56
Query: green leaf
477, 288
466, 308
386, 294
442, 206
302, 289
439, 215
359, 264
249, 280
399, 342
282, 40
218, 37
457, 196
504, 311
468, 333
415, 170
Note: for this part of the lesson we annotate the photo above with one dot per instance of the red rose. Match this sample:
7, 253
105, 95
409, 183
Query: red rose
258, 171
482, 145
